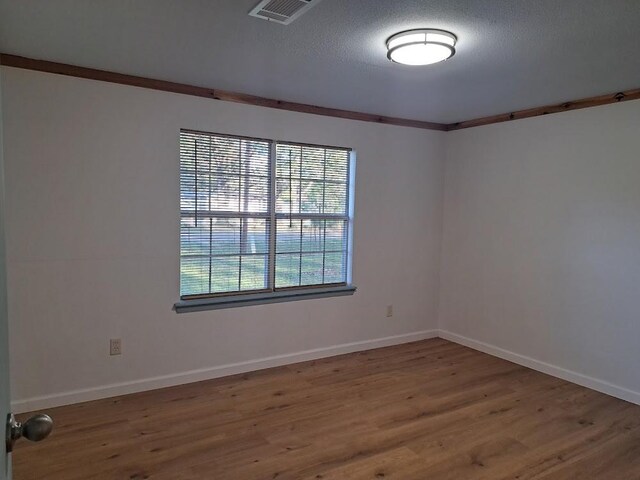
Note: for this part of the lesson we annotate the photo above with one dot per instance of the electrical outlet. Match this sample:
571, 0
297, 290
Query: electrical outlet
389, 310
115, 346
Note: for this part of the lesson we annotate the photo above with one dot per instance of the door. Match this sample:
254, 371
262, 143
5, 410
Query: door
39, 426
5, 473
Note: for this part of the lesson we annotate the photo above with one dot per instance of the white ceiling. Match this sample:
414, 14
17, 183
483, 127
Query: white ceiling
511, 54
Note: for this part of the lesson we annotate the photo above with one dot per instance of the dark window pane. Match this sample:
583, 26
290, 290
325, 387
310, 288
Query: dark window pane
334, 268
313, 235
225, 274
311, 273
337, 165
287, 270
313, 162
335, 198
336, 235
194, 240
254, 236
287, 196
194, 276
255, 272
288, 236
312, 196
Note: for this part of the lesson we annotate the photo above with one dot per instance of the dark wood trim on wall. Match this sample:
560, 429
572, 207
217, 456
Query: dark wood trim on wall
223, 95
211, 93
539, 111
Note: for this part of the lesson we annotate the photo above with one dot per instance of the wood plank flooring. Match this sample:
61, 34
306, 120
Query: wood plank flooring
429, 410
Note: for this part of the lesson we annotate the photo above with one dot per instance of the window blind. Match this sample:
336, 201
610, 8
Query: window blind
311, 215
258, 215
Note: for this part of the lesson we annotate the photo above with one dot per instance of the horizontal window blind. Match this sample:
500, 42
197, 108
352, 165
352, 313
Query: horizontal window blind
311, 215
258, 215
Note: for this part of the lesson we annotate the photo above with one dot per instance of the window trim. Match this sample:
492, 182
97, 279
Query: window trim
247, 299
220, 300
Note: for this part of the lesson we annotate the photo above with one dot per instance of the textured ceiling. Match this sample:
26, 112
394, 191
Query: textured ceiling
511, 54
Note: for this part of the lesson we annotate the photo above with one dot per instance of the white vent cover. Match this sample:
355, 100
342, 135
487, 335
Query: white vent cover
282, 11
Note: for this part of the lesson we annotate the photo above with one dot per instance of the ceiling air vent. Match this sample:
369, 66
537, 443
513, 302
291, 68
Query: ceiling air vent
282, 11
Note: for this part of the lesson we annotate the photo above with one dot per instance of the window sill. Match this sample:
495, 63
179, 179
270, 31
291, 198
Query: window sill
215, 303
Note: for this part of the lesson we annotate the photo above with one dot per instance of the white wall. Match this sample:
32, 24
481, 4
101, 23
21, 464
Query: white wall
540, 259
541, 244
92, 209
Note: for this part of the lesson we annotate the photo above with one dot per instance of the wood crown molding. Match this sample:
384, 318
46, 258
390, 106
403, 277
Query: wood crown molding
549, 109
227, 96
214, 94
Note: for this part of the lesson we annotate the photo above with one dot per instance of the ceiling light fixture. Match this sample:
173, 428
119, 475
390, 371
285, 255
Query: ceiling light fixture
422, 46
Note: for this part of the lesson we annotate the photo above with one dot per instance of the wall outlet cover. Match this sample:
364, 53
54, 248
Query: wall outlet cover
115, 346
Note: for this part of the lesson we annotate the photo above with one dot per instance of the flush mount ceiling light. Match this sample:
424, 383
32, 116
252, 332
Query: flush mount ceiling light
423, 46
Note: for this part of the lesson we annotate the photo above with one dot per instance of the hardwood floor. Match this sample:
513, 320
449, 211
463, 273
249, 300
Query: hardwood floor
428, 410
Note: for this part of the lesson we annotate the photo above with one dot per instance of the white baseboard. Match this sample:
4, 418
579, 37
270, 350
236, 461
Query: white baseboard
124, 388
553, 370
116, 389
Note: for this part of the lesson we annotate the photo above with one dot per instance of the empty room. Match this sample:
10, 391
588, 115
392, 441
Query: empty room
320, 239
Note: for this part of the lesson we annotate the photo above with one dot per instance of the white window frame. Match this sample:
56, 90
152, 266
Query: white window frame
189, 303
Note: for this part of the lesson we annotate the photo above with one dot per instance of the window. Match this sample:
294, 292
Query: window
262, 217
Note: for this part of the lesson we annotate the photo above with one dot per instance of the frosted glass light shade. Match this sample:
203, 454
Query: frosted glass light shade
421, 47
